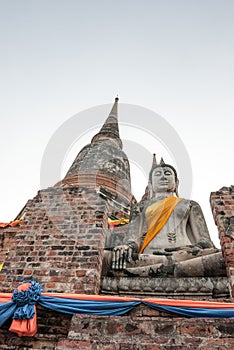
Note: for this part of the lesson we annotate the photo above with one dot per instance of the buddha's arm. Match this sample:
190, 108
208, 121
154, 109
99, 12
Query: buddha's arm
124, 253
199, 231
135, 232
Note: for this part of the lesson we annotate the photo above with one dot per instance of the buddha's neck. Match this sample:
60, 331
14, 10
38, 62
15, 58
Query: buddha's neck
162, 195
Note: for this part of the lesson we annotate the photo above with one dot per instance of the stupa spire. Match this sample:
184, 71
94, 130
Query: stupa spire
110, 128
147, 189
154, 162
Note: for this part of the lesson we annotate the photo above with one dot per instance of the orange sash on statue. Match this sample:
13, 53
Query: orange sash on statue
157, 215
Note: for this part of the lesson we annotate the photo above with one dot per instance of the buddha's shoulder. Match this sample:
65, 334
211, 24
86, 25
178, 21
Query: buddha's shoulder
188, 204
137, 208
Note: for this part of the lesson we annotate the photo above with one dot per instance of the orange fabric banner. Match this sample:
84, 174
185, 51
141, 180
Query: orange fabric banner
92, 297
157, 215
6, 297
25, 327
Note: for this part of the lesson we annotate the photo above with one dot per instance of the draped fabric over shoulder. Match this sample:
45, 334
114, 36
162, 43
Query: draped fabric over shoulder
157, 215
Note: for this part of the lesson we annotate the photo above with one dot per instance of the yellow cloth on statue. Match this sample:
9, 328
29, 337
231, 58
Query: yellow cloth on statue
157, 215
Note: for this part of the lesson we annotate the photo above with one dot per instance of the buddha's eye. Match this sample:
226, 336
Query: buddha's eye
167, 172
157, 173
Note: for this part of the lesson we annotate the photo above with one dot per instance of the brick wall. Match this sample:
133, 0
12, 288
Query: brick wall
145, 329
52, 327
60, 243
7, 242
222, 204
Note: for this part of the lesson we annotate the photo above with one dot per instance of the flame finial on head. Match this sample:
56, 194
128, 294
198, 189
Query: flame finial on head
161, 161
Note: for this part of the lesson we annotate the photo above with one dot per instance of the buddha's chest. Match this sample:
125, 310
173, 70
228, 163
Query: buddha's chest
174, 231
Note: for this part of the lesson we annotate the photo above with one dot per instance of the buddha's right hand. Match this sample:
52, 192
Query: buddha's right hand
120, 256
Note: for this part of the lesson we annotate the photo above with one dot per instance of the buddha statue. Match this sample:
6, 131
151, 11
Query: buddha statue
169, 237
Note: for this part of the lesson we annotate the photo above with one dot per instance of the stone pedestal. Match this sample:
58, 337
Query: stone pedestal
164, 287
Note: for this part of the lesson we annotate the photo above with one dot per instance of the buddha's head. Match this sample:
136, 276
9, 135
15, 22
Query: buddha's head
163, 178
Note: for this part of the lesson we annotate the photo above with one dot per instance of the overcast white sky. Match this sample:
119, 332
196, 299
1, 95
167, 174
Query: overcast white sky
59, 57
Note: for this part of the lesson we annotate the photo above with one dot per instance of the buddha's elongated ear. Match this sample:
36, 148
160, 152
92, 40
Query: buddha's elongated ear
176, 187
151, 191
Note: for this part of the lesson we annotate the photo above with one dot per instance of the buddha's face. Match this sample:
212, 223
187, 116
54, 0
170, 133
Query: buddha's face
163, 180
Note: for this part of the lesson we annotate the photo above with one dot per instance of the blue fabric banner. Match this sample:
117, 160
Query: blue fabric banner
100, 308
6, 311
193, 312
20, 306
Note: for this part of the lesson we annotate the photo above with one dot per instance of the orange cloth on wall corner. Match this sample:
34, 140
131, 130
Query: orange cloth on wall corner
11, 224
24, 328
157, 215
